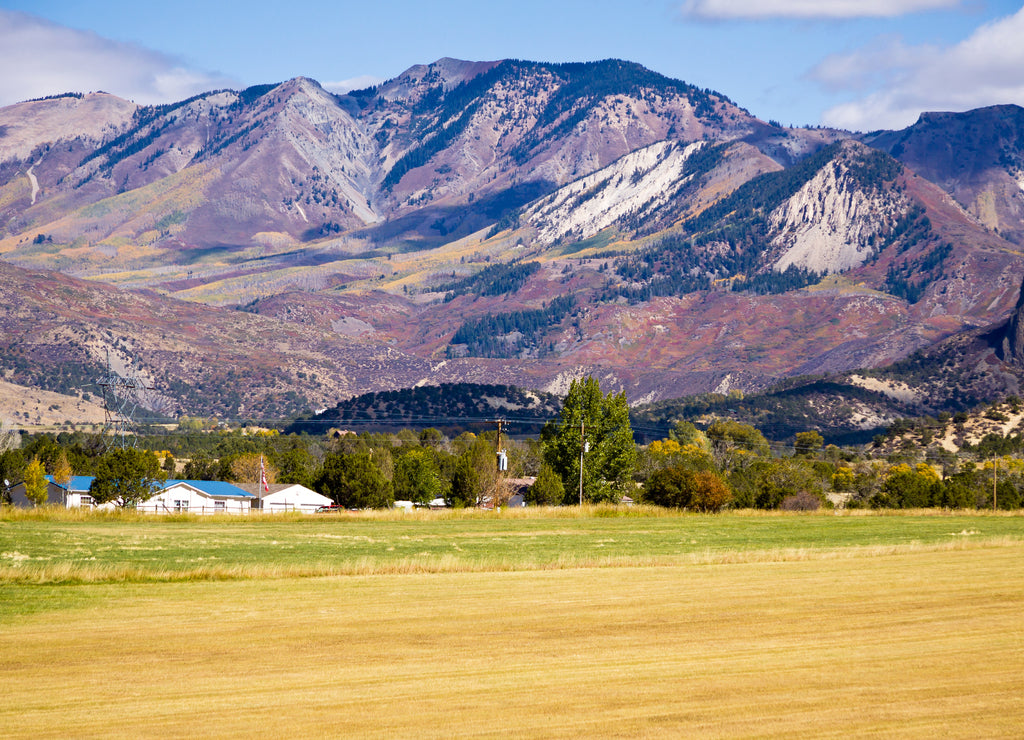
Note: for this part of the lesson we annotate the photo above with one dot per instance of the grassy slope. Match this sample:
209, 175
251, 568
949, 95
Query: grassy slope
916, 644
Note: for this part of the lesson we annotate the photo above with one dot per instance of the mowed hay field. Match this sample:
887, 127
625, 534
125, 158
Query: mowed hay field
811, 626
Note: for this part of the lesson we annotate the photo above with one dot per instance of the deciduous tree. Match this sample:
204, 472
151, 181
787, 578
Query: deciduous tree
686, 433
680, 487
735, 444
908, 488
808, 443
35, 482
62, 471
417, 478
245, 469
601, 422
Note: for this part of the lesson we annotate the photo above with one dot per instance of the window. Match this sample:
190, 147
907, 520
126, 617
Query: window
218, 506
180, 505
84, 500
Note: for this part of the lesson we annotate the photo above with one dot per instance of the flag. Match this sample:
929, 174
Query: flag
263, 476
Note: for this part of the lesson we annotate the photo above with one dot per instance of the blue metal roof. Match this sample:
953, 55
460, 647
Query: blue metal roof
81, 483
213, 487
77, 484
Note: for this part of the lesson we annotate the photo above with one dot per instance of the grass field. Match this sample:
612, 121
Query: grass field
541, 626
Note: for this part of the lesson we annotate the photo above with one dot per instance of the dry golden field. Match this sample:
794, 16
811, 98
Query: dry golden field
915, 640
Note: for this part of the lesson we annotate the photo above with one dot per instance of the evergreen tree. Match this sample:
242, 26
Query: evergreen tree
465, 482
355, 482
12, 466
127, 477
547, 490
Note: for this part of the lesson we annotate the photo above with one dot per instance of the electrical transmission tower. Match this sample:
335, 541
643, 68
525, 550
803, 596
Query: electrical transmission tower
122, 395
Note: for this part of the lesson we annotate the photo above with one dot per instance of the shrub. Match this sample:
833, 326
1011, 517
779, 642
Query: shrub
681, 488
547, 490
710, 493
803, 501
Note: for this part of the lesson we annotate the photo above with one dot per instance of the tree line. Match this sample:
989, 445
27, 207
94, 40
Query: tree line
587, 453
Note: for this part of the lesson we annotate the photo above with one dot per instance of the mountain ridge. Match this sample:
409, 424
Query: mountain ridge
701, 248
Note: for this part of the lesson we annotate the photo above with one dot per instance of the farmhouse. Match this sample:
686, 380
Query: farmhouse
196, 496
200, 497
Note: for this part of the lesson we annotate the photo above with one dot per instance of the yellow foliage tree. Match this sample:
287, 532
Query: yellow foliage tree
62, 471
245, 469
35, 482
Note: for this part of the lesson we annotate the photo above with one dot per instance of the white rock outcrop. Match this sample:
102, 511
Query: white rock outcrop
632, 186
832, 224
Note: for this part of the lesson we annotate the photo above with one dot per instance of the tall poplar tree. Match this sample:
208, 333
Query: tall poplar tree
601, 424
62, 472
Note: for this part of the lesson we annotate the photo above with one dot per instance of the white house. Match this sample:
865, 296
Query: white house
195, 496
286, 497
199, 497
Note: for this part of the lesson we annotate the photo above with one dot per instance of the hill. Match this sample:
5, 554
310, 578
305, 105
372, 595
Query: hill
451, 408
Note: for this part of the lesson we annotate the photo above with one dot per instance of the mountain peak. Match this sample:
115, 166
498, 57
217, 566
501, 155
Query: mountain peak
32, 123
446, 73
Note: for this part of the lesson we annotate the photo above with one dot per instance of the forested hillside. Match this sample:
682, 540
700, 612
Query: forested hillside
450, 407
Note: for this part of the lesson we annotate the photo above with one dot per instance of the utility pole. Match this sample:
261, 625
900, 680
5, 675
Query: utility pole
582, 445
502, 463
995, 465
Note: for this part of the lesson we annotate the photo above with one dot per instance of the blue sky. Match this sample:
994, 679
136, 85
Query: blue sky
859, 64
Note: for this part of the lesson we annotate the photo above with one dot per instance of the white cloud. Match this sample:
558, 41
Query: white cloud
52, 59
829, 9
987, 68
355, 83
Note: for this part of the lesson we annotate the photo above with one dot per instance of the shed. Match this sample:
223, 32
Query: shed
286, 497
75, 494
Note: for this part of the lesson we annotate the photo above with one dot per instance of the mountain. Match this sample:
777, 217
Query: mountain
292, 161
977, 157
503, 222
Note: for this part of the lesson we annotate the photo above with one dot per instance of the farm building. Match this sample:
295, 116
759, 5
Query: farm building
286, 497
200, 497
76, 493
196, 496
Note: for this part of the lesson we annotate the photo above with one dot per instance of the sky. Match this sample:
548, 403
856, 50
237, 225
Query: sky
854, 64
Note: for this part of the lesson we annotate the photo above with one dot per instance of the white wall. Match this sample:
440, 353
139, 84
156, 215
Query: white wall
185, 498
294, 498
